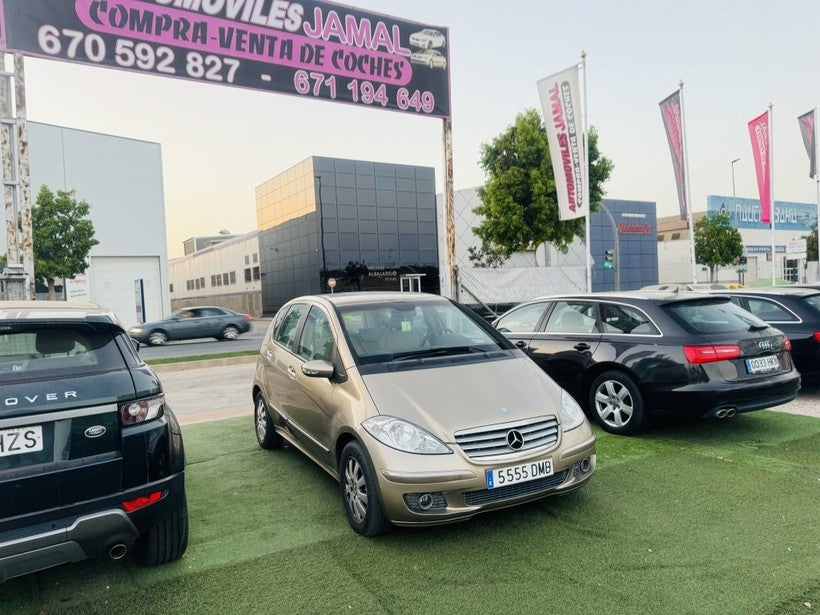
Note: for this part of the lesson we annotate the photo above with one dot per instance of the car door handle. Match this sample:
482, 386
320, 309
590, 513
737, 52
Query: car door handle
582, 347
521, 344
292, 371
268, 354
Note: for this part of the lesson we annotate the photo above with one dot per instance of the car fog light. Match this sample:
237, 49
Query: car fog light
425, 502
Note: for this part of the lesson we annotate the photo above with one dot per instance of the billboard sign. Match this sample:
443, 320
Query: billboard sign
745, 213
309, 48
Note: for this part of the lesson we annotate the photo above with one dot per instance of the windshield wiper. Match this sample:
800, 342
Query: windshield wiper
435, 352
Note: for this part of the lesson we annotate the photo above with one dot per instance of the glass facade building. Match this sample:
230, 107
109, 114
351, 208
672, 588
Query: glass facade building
365, 225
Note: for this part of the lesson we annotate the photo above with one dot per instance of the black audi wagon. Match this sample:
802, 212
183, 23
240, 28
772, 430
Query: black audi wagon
629, 356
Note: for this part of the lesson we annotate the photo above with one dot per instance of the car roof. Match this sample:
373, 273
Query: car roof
56, 311
631, 295
367, 297
793, 291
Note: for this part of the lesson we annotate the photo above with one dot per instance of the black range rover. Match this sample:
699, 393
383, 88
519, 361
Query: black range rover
91, 457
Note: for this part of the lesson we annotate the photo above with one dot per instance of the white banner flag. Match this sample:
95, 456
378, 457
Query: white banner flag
561, 106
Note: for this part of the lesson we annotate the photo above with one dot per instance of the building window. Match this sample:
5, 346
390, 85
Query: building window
675, 236
213, 280
256, 273
255, 257
660, 237
225, 279
248, 274
196, 284
171, 288
201, 282
247, 260
233, 277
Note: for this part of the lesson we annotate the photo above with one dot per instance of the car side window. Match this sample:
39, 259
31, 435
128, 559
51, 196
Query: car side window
572, 317
523, 320
769, 310
626, 319
316, 341
286, 332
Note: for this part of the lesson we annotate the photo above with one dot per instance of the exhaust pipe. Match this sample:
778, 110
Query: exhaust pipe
725, 413
117, 551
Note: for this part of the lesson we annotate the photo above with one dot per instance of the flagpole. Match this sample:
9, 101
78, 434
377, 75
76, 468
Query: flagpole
585, 183
687, 196
816, 176
771, 190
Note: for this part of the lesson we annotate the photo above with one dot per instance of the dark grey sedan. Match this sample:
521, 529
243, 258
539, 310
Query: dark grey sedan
191, 323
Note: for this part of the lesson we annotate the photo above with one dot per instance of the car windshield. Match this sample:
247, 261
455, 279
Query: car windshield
399, 330
713, 316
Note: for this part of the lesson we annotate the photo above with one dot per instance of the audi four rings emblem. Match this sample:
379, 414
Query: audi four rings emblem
515, 439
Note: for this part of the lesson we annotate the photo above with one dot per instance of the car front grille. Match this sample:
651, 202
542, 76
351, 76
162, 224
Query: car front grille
487, 496
494, 439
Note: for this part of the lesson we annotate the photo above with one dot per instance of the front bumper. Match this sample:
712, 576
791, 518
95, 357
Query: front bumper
456, 485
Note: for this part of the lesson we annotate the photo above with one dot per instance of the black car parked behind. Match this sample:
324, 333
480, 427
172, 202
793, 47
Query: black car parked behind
628, 356
795, 311
91, 457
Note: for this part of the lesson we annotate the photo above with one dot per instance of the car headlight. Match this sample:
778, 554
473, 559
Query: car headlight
571, 414
135, 330
404, 436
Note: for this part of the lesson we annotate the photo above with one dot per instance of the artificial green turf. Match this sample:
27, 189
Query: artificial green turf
709, 517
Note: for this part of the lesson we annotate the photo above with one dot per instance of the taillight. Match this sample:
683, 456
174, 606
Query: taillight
710, 353
787, 343
142, 501
141, 410
817, 336
248, 317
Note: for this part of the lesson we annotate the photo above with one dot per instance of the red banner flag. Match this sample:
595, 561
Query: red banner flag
671, 114
759, 133
807, 131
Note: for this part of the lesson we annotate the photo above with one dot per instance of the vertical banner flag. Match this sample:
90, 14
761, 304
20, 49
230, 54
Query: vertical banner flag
671, 114
759, 132
561, 106
807, 130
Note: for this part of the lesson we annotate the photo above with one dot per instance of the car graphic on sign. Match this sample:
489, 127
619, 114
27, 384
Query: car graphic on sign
429, 58
427, 39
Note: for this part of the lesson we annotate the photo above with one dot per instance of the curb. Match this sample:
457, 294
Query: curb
178, 367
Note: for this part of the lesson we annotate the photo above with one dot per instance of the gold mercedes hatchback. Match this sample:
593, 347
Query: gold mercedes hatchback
420, 409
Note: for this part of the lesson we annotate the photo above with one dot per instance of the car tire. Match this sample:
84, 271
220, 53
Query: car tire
229, 333
266, 434
166, 540
357, 484
157, 338
616, 403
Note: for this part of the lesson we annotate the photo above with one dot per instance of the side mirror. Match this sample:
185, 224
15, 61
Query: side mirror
135, 343
318, 369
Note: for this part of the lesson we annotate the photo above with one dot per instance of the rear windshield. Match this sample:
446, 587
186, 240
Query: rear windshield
48, 351
713, 316
814, 302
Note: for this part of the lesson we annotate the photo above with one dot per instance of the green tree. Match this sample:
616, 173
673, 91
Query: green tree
717, 242
62, 234
353, 273
811, 243
519, 203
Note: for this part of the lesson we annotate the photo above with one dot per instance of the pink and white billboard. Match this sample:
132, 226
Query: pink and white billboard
672, 122
561, 106
759, 133
308, 48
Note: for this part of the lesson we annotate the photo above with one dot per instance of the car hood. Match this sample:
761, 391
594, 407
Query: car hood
446, 399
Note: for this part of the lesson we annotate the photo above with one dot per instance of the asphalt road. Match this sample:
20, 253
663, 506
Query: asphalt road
252, 340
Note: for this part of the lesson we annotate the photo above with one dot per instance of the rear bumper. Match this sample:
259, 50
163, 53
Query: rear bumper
85, 530
700, 400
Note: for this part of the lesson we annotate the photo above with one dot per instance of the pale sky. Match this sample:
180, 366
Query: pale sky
735, 57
